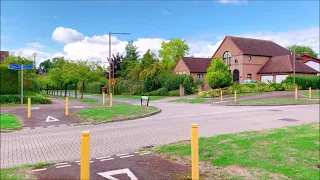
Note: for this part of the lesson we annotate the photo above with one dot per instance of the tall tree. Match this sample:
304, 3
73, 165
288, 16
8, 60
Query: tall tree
147, 59
117, 60
171, 51
301, 49
45, 66
218, 75
132, 55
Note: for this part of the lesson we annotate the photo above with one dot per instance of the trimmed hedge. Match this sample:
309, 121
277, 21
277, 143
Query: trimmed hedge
15, 99
94, 88
9, 80
304, 82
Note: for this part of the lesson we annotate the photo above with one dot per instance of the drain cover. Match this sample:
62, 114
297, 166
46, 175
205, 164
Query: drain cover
274, 110
288, 119
148, 147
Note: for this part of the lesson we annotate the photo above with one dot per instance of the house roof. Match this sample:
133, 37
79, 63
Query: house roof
307, 57
284, 64
259, 47
195, 64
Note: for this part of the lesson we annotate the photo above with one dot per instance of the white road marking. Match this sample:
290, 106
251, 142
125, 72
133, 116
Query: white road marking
126, 156
103, 157
90, 162
34, 108
51, 119
77, 161
63, 166
122, 154
109, 174
78, 107
36, 170
106, 159
145, 153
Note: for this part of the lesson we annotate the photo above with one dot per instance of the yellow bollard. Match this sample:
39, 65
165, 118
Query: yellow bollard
67, 106
194, 152
85, 156
310, 92
296, 93
221, 95
110, 99
103, 98
29, 108
235, 96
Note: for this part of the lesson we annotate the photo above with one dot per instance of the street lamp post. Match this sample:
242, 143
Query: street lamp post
110, 61
21, 100
34, 60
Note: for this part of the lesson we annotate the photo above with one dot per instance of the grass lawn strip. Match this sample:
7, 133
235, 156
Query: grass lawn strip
115, 112
151, 98
245, 94
21, 172
313, 94
286, 153
85, 100
274, 101
189, 100
9, 122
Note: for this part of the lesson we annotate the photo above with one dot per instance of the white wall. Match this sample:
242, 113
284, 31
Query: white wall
313, 65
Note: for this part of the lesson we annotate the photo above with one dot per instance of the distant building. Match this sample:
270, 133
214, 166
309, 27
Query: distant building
3, 55
312, 62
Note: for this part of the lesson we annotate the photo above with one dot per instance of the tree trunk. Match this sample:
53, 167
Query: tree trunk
69, 91
61, 89
47, 89
82, 90
57, 89
75, 92
65, 89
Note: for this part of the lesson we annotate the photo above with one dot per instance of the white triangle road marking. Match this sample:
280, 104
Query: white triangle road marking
109, 174
51, 119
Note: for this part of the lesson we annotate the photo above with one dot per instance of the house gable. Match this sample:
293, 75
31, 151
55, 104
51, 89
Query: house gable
227, 45
181, 67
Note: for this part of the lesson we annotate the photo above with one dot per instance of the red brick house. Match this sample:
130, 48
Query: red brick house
311, 61
261, 60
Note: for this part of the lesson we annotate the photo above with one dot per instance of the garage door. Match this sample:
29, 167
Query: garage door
266, 79
280, 78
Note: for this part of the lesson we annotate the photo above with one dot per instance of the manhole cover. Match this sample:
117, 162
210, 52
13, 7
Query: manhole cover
148, 147
288, 119
274, 110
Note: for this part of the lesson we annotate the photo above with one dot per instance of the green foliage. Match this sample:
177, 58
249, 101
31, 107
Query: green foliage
218, 75
94, 88
132, 55
9, 80
174, 93
171, 51
304, 82
46, 66
15, 99
300, 49
173, 81
148, 59
188, 84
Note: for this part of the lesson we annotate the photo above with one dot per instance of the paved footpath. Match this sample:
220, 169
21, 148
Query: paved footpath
58, 144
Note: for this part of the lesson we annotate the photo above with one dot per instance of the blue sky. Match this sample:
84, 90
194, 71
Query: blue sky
29, 25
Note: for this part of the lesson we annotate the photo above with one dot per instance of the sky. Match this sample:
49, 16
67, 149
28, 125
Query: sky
79, 29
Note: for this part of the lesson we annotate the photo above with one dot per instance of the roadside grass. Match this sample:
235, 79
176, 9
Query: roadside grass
189, 100
12, 104
286, 153
9, 121
151, 98
108, 113
85, 100
274, 101
313, 94
21, 172
246, 94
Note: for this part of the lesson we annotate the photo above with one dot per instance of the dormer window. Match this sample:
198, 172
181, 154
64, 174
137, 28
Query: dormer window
227, 58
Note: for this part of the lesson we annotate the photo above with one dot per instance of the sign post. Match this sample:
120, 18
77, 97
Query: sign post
20, 67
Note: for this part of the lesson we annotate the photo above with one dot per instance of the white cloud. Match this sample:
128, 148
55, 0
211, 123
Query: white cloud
66, 35
203, 48
232, 1
35, 45
166, 12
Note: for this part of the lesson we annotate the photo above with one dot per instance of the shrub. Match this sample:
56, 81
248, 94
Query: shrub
305, 81
150, 85
162, 91
14, 98
174, 81
174, 93
9, 80
188, 84
218, 75
94, 88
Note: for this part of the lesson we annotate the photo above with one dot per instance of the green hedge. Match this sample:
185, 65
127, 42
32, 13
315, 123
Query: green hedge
163, 92
304, 82
94, 88
9, 80
14, 98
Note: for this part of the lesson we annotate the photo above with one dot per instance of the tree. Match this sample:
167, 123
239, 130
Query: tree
45, 66
55, 73
218, 75
132, 55
116, 60
300, 49
147, 59
171, 51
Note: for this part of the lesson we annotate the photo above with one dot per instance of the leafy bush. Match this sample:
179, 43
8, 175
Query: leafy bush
9, 80
14, 98
218, 75
94, 88
174, 93
162, 91
304, 82
188, 84
174, 81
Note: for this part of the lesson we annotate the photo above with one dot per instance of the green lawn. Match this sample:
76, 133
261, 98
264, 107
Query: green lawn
114, 112
90, 101
275, 101
287, 153
313, 94
9, 121
189, 100
21, 172
245, 94
151, 98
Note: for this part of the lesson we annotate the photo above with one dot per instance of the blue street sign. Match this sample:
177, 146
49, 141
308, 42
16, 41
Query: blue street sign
18, 66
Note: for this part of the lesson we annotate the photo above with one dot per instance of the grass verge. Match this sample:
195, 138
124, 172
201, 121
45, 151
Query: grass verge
286, 153
151, 98
313, 94
274, 101
246, 94
90, 101
112, 113
189, 100
21, 172
9, 121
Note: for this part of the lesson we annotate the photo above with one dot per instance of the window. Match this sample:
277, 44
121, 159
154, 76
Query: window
200, 77
227, 57
184, 72
249, 58
248, 76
